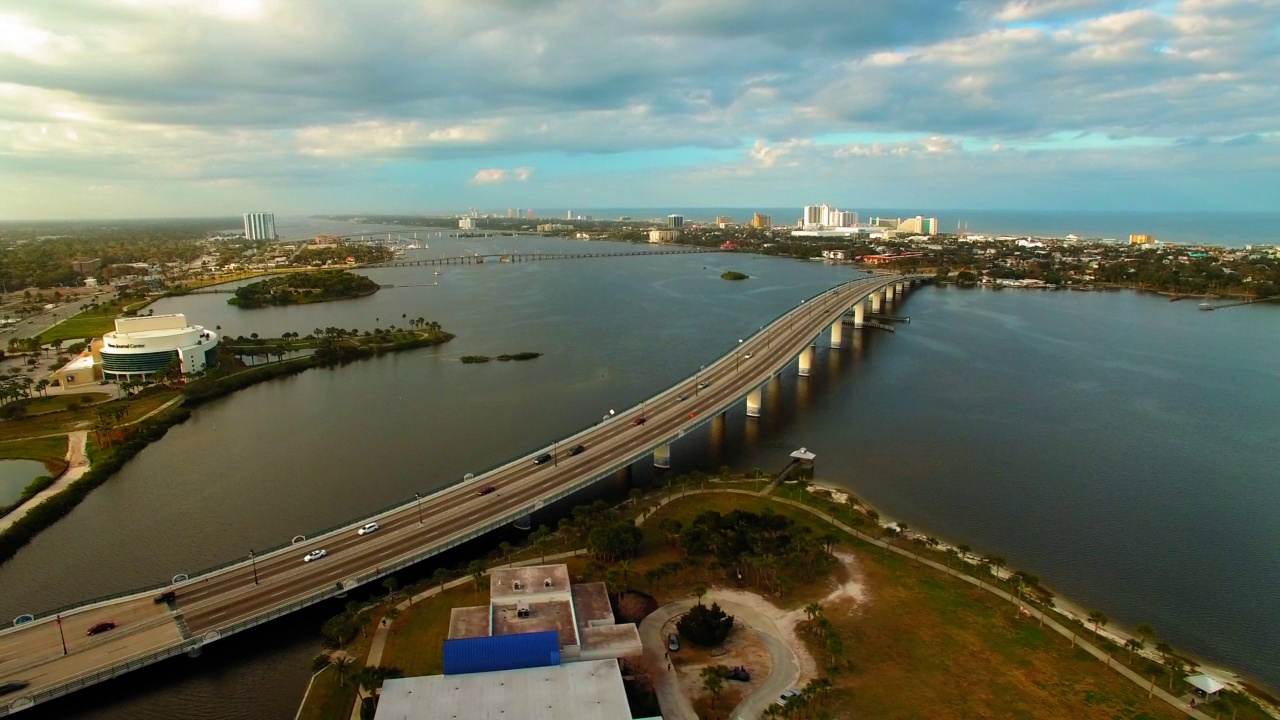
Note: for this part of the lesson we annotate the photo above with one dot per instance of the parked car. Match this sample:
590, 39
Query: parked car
101, 627
368, 528
314, 555
578, 449
739, 673
673, 642
11, 687
542, 459
785, 697
486, 490
167, 596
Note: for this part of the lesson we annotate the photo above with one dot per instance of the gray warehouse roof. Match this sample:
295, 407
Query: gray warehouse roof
589, 690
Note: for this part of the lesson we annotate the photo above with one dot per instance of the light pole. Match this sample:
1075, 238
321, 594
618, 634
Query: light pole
737, 359
58, 621
696, 377
555, 456
418, 499
254, 564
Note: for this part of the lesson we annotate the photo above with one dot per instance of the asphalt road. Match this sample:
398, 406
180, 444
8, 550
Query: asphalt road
33, 652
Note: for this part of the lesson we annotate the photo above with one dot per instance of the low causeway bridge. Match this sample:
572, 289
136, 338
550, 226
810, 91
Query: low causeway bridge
53, 653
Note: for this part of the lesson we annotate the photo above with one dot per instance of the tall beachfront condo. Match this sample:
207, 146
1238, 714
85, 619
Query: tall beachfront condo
260, 226
675, 222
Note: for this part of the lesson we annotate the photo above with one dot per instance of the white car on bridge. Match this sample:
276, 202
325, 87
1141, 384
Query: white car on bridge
314, 555
368, 528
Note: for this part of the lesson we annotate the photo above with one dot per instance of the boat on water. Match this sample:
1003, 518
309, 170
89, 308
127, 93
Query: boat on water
1206, 306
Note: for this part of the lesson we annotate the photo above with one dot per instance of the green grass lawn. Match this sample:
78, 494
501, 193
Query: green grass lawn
72, 401
329, 699
88, 324
81, 419
49, 451
416, 642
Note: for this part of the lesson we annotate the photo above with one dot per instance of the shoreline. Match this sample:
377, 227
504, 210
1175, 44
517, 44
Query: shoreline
1060, 604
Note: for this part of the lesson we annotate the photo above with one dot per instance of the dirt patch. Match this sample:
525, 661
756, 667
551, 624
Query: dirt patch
744, 647
847, 594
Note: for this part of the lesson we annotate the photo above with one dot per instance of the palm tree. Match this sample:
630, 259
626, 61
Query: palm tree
1098, 618
391, 584
439, 577
476, 568
1131, 645
1145, 631
700, 590
391, 616
713, 682
342, 668
813, 610
626, 567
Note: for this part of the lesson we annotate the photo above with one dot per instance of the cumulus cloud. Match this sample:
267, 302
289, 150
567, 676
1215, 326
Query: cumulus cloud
200, 91
493, 176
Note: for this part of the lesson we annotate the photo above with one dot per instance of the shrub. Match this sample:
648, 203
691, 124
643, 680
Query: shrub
469, 359
705, 626
35, 486
734, 275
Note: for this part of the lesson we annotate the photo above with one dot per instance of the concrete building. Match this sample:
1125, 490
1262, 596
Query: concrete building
1141, 239
540, 598
918, 225
553, 227
260, 226
663, 236
761, 221
817, 217
723, 220
466, 223
582, 691
84, 267
142, 346
675, 222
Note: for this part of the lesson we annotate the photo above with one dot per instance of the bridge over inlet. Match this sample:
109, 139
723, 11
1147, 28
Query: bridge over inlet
479, 259
53, 653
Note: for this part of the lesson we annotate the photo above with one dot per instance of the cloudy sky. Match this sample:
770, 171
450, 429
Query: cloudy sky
114, 108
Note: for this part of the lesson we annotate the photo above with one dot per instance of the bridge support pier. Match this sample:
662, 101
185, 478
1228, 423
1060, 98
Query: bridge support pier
889, 293
836, 328
899, 288
755, 399
524, 522
662, 456
859, 314
806, 361
876, 301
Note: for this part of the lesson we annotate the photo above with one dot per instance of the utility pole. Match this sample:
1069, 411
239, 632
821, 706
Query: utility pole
418, 498
254, 564
61, 636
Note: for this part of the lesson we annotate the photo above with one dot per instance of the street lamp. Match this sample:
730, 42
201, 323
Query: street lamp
254, 564
555, 455
418, 498
58, 621
696, 377
737, 358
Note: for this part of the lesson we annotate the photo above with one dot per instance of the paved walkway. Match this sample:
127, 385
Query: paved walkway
675, 705
1147, 684
77, 465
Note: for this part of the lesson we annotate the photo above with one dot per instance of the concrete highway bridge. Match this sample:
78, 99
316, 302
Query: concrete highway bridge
54, 654
479, 259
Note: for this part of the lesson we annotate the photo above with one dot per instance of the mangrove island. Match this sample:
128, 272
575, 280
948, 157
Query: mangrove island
304, 287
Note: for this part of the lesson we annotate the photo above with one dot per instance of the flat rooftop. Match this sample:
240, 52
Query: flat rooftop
614, 640
554, 615
583, 691
469, 622
526, 582
591, 604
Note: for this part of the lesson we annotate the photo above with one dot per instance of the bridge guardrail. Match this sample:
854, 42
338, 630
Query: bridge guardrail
382, 571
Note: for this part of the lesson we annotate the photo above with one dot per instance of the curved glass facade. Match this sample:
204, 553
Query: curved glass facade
137, 362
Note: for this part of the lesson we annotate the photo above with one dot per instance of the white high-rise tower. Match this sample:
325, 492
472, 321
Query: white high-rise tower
260, 226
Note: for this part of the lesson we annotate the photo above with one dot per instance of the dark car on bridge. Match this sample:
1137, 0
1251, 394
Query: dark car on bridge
485, 490
578, 449
101, 628
638, 421
10, 687
542, 459
165, 597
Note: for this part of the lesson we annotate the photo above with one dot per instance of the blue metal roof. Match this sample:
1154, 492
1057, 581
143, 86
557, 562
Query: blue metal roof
501, 652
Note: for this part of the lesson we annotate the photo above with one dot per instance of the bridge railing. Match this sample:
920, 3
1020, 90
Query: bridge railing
402, 505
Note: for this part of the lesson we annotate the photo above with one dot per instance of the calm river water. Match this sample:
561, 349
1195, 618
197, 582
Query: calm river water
1121, 446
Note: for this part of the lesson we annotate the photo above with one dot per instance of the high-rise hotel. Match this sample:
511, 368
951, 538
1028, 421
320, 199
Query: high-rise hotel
260, 226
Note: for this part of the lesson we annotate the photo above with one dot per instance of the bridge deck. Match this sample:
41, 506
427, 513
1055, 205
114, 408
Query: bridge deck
220, 602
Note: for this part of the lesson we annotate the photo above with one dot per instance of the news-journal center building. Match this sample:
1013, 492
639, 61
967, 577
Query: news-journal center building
143, 346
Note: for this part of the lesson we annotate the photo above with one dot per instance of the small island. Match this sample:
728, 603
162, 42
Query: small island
472, 359
304, 287
733, 275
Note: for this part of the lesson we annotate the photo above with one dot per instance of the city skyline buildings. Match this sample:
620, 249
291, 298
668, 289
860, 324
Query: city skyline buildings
260, 226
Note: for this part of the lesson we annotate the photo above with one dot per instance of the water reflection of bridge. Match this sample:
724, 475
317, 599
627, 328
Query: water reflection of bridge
53, 652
